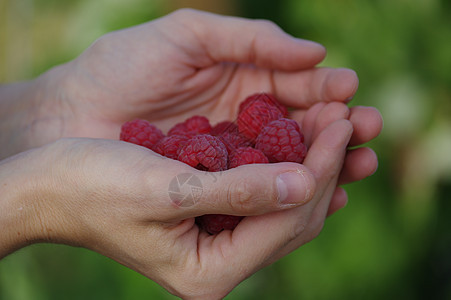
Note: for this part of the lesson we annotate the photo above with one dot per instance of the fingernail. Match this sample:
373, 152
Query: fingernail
294, 188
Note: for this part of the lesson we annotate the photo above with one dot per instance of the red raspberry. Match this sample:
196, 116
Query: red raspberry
228, 133
224, 126
282, 140
245, 156
191, 126
141, 132
268, 98
255, 114
233, 141
214, 224
204, 152
170, 146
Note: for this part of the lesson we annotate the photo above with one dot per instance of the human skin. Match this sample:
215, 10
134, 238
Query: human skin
112, 197
107, 195
183, 64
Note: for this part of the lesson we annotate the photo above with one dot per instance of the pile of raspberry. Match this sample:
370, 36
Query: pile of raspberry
262, 133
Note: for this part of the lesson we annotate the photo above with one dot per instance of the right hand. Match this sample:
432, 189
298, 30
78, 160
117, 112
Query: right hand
112, 197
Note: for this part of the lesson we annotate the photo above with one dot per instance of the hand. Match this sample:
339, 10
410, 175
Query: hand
188, 63
192, 62
359, 162
112, 197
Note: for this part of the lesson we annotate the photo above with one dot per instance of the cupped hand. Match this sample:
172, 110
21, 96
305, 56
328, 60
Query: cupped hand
118, 200
191, 62
115, 198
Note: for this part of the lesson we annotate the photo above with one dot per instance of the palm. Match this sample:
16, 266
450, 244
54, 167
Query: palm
191, 63
164, 90
217, 100
198, 256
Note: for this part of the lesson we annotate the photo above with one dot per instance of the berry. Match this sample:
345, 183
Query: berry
228, 133
255, 114
261, 134
204, 152
282, 140
224, 126
245, 156
170, 146
234, 140
214, 224
141, 132
192, 126
265, 97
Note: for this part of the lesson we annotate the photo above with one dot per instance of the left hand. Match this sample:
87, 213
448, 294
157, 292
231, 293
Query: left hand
113, 197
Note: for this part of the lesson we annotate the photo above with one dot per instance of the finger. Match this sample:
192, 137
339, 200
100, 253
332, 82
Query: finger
339, 198
258, 42
308, 119
307, 221
338, 201
246, 190
304, 88
259, 237
318, 117
330, 113
327, 175
359, 163
367, 122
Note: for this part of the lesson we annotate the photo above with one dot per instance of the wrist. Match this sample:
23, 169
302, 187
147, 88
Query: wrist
32, 113
30, 210
17, 209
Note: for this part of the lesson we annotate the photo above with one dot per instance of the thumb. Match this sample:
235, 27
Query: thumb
246, 190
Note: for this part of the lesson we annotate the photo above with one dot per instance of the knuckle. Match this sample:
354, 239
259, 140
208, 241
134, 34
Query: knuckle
266, 24
240, 196
184, 13
103, 44
297, 229
316, 230
302, 229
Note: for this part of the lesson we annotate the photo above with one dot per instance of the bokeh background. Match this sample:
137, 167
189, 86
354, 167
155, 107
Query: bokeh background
392, 241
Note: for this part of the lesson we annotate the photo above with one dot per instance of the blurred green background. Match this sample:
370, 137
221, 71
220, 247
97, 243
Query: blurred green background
392, 241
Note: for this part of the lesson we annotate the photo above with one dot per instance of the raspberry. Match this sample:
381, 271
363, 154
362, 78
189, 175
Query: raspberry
255, 114
141, 132
214, 224
261, 134
282, 140
204, 152
224, 126
234, 140
192, 126
245, 156
265, 97
228, 133
170, 146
